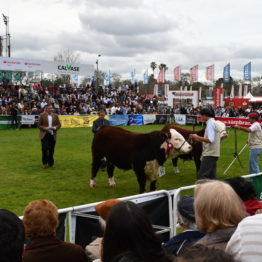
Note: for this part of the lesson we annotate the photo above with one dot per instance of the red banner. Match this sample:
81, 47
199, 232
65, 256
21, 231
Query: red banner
210, 73
231, 121
218, 92
194, 73
161, 76
177, 73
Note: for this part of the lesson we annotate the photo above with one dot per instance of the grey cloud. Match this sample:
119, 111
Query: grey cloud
126, 22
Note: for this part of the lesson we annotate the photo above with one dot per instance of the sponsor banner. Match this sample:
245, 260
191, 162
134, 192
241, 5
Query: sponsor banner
27, 120
191, 120
231, 121
247, 72
136, 120
118, 120
226, 74
180, 119
210, 73
194, 73
28, 65
177, 73
218, 93
149, 119
77, 121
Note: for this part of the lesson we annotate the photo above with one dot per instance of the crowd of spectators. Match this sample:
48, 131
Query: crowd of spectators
227, 233
67, 100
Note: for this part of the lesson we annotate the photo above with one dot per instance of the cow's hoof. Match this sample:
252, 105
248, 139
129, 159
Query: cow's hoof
111, 182
92, 183
177, 171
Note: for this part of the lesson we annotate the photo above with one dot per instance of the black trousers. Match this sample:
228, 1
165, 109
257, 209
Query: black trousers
48, 149
208, 168
14, 121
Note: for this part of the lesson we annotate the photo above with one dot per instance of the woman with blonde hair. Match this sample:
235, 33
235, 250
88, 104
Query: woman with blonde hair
40, 221
218, 211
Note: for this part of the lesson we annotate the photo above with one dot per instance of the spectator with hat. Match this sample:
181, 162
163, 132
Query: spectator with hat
190, 234
93, 250
254, 141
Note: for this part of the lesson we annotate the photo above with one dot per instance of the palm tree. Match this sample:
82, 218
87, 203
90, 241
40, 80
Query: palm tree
153, 65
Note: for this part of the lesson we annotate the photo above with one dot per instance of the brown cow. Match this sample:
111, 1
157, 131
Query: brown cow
196, 152
144, 153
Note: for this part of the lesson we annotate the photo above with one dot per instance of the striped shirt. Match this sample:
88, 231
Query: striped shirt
246, 243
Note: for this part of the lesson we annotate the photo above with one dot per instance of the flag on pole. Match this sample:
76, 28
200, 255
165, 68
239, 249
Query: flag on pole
247, 72
145, 77
240, 90
194, 73
226, 74
177, 73
133, 77
161, 76
232, 93
107, 79
210, 73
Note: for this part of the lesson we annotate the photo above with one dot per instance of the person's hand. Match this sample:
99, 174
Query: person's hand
46, 128
194, 136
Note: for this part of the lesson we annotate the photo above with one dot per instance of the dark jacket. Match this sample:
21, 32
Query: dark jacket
98, 123
51, 249
179, 243
217, 239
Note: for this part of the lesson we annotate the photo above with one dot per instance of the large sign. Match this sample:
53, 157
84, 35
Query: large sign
28, 65
77, 121
183, 97
180, 119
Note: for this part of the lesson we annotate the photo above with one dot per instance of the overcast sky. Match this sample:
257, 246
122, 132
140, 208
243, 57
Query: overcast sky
132, 33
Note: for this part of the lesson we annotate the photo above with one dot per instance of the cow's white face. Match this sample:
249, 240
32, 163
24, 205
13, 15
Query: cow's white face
178, 145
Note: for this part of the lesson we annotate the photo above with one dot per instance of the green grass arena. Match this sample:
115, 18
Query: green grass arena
22, 179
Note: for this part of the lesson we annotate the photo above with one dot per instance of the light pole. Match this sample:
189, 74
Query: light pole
7, 35
97, 72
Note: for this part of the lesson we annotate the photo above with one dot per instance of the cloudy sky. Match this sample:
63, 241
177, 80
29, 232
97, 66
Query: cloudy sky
132, 33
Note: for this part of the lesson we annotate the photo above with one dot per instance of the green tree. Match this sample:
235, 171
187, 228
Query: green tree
153, 66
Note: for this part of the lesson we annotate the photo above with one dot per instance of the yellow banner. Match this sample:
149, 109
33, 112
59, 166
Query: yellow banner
77, 121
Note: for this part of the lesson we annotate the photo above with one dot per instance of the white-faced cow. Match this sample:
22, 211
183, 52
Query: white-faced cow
144, 153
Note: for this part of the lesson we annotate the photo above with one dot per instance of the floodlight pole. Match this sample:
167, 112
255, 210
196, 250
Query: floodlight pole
97, 85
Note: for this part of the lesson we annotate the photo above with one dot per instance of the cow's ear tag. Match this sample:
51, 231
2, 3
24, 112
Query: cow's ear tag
162, 171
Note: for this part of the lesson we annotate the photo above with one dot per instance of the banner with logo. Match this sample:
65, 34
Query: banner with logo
145, 78
77, 121
180, 119
135, 120
194, 73
29, 65
133, 77
210, 73
27, 119
191, 120
218, 93
231, 121
107, 79
177, 73
161, 76
118, 120
247, 72
149, 119
226, 74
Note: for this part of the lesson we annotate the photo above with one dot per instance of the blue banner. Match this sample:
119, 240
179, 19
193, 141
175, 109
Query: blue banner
226, 74
247, 72
136, 120
118, 120
133, 77
145, 78
107, 79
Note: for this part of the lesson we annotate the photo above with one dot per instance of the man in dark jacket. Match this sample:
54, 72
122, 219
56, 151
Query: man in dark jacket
186, 219
101, 121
